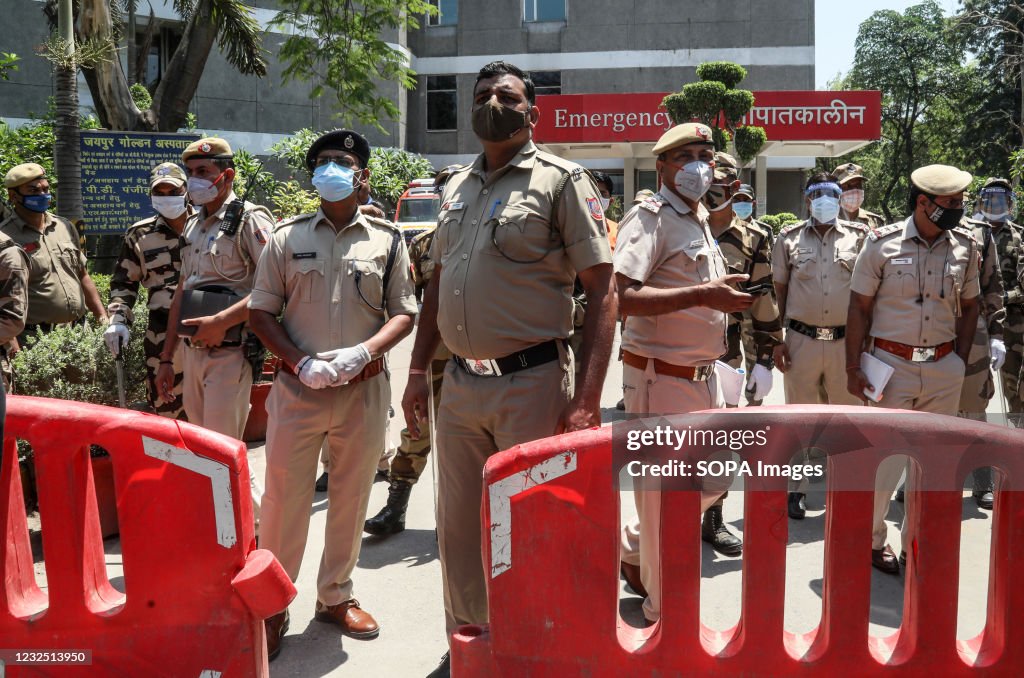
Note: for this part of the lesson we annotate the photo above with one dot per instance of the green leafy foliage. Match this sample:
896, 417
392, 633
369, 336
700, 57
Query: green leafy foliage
705, 98
391, 170
737, 103
141, 96
749, 141
290, 199
725, 72
292, 150
251, 180
338, 45
779, 221
8, 63
679, 108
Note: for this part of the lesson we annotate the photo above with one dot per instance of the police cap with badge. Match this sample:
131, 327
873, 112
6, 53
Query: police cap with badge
339, 140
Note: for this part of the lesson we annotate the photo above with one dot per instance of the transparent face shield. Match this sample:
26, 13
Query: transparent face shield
996, 204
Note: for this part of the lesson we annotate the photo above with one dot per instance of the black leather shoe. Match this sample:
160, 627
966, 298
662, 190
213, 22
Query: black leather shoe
885, 560
631, 573
714, 532
276, 626
444, 669
795, 506
985, 500
321, 483
903, 559
900, 494
621, 405
391, 518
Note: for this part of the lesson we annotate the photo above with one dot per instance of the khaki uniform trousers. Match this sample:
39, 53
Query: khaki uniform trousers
923, 387
817, 376
647, 392
351, 418
215, 392
477, 417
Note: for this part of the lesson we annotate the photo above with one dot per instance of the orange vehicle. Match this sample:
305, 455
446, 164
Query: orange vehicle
417, 208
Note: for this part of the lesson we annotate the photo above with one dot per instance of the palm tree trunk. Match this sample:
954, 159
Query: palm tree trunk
67, 153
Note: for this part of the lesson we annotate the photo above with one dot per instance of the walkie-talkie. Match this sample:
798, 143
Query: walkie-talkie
236, 208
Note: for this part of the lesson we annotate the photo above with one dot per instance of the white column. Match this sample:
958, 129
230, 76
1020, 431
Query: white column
761, 178
628, 182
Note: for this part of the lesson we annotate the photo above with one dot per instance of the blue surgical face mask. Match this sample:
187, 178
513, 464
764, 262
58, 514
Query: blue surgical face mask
37, 203
825, 209
743, 210
333, 182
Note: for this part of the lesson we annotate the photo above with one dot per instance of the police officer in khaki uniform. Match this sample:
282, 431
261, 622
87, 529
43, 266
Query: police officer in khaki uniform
151, 257
223, 243
675, 291
747, 248
60, 290
850, 178
342, 280
812, 264
514, 230
914, 304
14, 267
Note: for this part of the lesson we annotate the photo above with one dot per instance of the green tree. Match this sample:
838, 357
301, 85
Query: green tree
915, 60
8, 62
716, 102
337, 44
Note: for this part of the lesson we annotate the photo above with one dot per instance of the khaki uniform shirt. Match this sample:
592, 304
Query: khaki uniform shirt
816, 270
14, 267
331, 284
210, 257
56, 267
747, 248
509, 255
870, 219
897, 267
664, 245
150, 257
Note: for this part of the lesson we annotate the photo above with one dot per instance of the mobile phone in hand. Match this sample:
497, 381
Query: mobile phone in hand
763, 288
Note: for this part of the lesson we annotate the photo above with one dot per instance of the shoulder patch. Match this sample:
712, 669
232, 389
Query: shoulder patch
652, 204
383, 223
966, 232
885, 231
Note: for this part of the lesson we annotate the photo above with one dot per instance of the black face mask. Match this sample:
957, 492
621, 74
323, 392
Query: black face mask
944, 217
494, 122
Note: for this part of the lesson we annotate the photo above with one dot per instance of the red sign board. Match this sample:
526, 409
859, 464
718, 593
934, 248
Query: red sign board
785, 116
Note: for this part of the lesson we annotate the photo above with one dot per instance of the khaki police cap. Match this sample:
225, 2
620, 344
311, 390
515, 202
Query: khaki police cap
941, 179
848, 172
19, 175
642, 194
167, 173
681, 135
747, 190
725, 166
210, 147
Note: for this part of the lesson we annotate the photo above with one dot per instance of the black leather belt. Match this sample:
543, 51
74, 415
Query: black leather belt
819, 333
525, 359
46, 328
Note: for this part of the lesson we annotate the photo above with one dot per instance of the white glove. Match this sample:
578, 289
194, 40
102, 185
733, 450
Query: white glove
116, 335
997, 349
759, 384
317, 374
347, 362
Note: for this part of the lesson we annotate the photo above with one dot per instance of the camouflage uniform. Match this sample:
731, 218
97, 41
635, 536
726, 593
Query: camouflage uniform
411, 458
748, 250
150, 256
1010, 246
870, 219
14, 267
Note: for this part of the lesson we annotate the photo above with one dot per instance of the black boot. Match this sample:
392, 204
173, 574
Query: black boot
900, 492
714, 532
796, 507
321, 483
391, 518
444, 669
983, 487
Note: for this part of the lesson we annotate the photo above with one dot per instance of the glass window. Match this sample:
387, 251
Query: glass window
419, 209
447, 13
442, 103
543, 10
547, 82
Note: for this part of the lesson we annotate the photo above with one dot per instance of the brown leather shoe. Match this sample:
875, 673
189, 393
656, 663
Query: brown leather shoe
276, 627
631, 573
885, 560
353, 620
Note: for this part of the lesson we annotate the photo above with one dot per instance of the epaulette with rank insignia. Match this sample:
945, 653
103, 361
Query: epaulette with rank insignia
855, 225
652, 204
791, 227
383, 223
885, 231
292, 220
966, 232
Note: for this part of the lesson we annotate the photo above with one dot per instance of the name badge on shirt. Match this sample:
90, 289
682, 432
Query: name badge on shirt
804, 250
455, 206
304, 255
696, 243
903, 261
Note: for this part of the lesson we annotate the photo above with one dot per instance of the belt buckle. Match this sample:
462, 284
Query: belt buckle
922, 355
703, 373
483, 368
825, 334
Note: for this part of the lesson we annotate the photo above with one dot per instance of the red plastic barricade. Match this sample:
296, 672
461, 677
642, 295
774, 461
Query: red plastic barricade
196, 590
551, 551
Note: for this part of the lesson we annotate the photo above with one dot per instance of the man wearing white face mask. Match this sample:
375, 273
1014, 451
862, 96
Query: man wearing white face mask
850, 178
675, 291
151, 257
812, 263
341, 284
